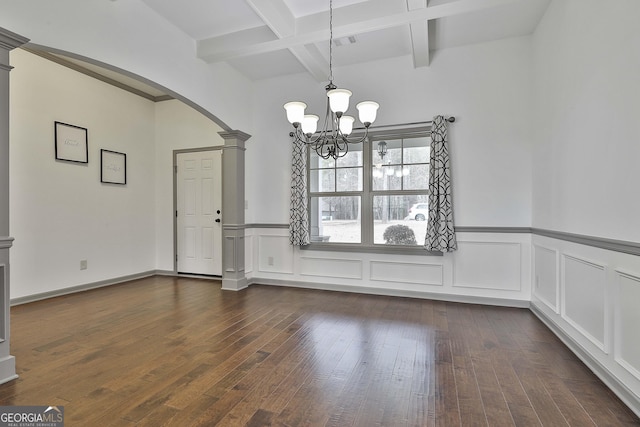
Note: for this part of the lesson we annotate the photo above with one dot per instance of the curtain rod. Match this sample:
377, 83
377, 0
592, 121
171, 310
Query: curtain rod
450, 119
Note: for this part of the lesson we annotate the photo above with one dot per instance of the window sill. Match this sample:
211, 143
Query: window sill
376, 249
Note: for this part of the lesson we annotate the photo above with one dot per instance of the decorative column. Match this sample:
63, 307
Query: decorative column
233, 226
8, 42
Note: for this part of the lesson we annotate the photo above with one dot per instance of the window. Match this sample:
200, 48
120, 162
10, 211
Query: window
376, 197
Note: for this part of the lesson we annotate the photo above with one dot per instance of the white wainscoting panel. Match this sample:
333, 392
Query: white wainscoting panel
488, 265
248, 253
230, 261
406, 272
339, 268
275, 254
627, 334
545, 283
241, 254
584, 298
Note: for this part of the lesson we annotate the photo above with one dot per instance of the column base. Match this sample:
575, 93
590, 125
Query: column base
234, 284
7, 369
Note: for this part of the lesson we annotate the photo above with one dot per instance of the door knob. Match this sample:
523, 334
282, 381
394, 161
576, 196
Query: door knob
217, 219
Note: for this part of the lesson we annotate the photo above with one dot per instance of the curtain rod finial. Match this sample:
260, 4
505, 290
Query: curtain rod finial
451, 119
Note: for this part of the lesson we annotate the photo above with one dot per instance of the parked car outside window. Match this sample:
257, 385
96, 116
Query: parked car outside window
419, 211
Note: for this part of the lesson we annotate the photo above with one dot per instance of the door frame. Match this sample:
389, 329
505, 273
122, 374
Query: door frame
175, 196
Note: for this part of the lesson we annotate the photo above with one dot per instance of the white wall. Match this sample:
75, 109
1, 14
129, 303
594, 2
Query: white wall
486, 86
177, 127
585, 175
60, 212
130, 36
587, 104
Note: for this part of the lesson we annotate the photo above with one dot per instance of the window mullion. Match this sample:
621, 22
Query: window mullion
367, 198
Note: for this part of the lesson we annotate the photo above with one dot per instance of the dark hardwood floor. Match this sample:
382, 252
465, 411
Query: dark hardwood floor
181, 352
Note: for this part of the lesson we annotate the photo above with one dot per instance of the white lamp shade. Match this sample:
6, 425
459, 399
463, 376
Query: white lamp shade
310, 123
390, 171
339, 100
367, 111
295, 111
346, 124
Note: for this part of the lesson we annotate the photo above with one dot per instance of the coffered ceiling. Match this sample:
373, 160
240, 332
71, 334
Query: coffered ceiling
268, 38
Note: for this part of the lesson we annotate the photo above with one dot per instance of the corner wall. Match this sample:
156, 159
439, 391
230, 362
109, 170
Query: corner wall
585, 175
61, 212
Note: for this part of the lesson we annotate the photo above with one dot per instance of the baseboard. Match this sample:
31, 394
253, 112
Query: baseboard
7, 369
81, 288
166, 273
622, 391
502, 302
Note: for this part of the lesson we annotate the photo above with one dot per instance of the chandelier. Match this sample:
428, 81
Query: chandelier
333, 139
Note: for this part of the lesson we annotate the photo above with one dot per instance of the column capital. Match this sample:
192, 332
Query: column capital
231, 136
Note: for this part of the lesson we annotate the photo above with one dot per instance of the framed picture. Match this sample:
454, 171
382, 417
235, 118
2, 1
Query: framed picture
71, 143
113, 167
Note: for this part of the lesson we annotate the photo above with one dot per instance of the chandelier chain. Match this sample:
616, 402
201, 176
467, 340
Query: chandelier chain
330, 41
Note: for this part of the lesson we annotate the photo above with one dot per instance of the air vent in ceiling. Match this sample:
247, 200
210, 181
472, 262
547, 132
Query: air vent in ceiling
344, 41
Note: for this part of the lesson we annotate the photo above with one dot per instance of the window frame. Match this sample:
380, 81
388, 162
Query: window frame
367, 195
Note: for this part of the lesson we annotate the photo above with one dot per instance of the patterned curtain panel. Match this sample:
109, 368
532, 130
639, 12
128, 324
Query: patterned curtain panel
440, 233
299, 216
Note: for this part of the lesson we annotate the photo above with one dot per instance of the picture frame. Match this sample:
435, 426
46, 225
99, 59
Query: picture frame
71, 143
113, 167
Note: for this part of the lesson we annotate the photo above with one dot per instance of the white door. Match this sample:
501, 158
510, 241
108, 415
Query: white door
199, 212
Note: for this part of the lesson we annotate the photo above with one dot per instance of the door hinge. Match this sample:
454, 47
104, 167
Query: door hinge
176, 257
176, 214
175, 169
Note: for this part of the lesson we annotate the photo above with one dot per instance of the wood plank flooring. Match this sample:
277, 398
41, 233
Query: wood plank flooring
181, 352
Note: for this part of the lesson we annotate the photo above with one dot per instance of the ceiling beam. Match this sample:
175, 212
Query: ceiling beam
210, 50
278, 17
419, 36
311, 59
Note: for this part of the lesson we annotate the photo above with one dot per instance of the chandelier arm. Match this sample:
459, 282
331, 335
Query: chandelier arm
348, 140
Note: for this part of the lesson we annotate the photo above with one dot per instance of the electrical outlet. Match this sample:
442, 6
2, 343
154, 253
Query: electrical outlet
83, 264
270, 260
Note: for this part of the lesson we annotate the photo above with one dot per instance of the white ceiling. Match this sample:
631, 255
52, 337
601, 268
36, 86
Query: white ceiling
268, 38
